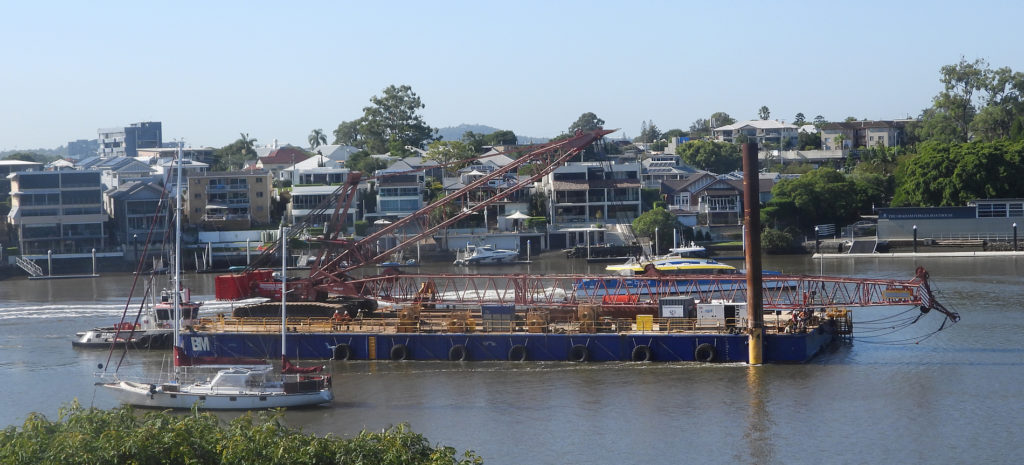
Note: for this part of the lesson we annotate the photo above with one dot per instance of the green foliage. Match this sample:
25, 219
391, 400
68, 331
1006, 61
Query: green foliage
448, 152
775, 241
799, 119
123, 436
363, 162
659, 220
317, 138
951, 174
764, 113
673, 133
536, 222
648, 197
717, 157
648, 132
392, 121
721, 118
818, 197
586, 122
234, 155
538, 204
347, 133
808, 141
26, 156
361, 227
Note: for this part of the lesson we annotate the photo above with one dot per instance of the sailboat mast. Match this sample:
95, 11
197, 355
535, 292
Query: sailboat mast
177, 249
284, 286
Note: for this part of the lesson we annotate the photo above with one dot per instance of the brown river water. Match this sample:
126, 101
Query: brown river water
955, 397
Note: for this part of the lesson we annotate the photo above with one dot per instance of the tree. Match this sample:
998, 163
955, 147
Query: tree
26, 156
316, 139
717, 157
673, 133
798, 120
347, 133
657, 220
719, 119
448, 152
961, 81
818, 121
234, 155
392, 120
944, 174
648, 132
763, 112
821, 196
362, 161
474, 140
839, 139
502, 137
808, 141
585, 123
700, 128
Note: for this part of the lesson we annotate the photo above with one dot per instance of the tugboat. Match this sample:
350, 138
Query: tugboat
153, 331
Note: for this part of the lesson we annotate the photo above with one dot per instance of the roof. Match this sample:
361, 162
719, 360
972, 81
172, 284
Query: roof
855, 125
285, 156
756, 123
22, 163
132, 189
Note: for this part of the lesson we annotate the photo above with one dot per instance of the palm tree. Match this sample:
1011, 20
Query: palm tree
248, 147
317, 138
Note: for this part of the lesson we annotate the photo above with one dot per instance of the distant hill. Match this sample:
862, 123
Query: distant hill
456, 132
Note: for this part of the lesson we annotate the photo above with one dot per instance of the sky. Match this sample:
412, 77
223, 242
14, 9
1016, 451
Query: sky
277, 70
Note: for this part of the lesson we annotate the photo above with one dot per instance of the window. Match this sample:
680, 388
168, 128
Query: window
198, 195
259, 194
258, 180
992, 210
198, 210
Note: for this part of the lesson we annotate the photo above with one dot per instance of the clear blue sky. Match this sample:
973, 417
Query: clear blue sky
277, 70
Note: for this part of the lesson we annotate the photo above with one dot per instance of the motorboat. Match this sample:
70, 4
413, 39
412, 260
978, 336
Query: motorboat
679, 260
485, 255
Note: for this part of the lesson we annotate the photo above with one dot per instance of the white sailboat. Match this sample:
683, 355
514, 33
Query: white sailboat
240, 387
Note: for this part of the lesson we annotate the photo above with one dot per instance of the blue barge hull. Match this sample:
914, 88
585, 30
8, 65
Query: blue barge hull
661, 347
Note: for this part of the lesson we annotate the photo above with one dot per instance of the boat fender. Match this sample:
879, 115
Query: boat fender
399, 352
458, 353
517, 353
579, 353
342, 352
152, 390
641, 353
705, 353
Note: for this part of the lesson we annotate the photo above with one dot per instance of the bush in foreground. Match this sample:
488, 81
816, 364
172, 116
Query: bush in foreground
124, 436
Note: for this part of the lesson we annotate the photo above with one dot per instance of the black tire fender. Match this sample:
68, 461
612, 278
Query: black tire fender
458, 353
641, 353
705, 353
579, 353
342, 352
517, 353
399, 352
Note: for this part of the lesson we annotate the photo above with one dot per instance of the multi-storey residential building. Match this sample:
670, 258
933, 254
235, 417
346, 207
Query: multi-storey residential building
590, 192
306, 200
861, 134
136, 211
761, 131
718, 200
59, 211
229, 200
119, 170
125, 142
398, 195
662, 167
13, 166
158, 156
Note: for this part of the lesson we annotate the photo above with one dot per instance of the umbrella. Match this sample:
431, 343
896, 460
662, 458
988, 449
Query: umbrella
382, 221
518, 215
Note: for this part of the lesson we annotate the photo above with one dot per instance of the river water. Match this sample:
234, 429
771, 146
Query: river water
952, 398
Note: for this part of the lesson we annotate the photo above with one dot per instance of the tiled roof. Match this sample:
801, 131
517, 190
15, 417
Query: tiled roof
284, 156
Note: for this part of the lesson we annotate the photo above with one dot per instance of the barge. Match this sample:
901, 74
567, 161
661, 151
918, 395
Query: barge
500, 334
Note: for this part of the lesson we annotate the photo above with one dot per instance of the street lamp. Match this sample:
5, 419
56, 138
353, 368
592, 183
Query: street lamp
135, 242
656, 248
817, 240
915, 238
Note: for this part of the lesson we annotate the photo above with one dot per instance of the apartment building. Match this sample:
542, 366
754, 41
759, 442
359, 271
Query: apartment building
136, 211
125, 141
58, 211
853, 134
763, 132
593, 192
229, 200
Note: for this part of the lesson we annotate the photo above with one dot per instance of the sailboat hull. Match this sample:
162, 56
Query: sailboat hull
176, 396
